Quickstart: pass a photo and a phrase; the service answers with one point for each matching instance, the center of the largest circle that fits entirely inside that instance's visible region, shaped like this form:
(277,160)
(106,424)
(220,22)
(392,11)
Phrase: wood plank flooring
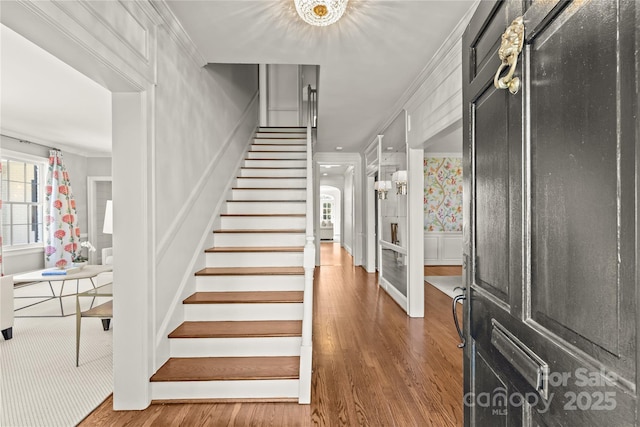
(372,365)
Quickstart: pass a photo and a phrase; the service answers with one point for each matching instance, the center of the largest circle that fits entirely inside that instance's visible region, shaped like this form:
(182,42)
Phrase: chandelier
(320,12)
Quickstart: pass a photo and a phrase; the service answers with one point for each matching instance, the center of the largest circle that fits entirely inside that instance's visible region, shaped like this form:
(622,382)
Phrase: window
(327,211)
(22,208)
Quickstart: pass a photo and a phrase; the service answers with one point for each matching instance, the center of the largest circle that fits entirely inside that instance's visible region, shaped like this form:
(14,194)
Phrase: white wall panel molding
(178,33)
(442,248)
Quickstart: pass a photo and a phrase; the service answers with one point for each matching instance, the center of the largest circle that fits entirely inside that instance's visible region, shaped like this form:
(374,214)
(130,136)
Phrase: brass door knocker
(512,41)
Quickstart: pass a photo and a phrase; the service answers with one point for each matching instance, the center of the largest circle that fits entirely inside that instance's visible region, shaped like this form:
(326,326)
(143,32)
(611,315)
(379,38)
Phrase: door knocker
(512,41)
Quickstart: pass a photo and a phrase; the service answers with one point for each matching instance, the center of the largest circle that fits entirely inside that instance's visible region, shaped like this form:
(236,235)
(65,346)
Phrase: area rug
(446,284)
(40,384)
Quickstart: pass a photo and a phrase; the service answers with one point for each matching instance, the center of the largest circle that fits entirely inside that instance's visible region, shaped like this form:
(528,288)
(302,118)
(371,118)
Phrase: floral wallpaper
(443,194)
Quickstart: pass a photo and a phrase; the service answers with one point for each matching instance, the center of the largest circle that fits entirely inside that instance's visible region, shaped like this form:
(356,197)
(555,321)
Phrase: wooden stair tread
(257,231)
(271,177)
(228,368)
(260,297)
(268,188)
(265,215)
(256,249)
(267,201)
(251,271)
(240,329)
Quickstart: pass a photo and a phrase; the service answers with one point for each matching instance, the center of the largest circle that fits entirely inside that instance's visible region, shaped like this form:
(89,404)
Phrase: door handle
(454,309)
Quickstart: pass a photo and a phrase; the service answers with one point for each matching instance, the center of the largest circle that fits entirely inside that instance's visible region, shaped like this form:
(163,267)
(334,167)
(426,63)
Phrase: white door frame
(93,213)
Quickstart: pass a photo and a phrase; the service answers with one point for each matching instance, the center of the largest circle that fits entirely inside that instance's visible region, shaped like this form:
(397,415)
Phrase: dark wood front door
(551,204)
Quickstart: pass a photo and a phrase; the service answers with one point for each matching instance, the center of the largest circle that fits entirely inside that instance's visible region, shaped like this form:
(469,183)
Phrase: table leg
(78,319)
(60,298)
(105,324)
(51,287)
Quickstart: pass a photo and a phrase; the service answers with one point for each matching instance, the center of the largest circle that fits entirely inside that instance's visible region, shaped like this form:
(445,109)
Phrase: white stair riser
(259,163)
(279,147)
(268,194)
(279,133)
(250,389)
(295,173)
(249,283)
(235,347)
(277,155)
(263,223)
(271,183)
(289,129)
(258,239)
(266,208)
(254,259)
(241,312)
(283,141)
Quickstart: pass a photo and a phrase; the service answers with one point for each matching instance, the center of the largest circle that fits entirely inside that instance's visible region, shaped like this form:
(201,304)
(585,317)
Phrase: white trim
(92,216)
(13,251)
(393,293)
(393,247)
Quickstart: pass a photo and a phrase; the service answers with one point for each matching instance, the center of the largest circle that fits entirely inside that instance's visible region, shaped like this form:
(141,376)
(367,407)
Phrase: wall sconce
(382,187)
(400,178)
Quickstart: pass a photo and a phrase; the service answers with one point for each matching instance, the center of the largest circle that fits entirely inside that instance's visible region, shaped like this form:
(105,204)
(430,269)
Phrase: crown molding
(177,31)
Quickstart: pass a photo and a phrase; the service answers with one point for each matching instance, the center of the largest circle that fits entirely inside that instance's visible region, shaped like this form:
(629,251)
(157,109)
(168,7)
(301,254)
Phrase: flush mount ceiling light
(320,12)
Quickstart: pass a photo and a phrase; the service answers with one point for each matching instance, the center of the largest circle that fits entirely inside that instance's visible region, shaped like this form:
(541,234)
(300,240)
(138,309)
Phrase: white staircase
(242,334)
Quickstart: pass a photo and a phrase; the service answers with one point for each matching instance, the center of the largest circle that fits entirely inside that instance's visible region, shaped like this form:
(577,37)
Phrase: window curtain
(60,219)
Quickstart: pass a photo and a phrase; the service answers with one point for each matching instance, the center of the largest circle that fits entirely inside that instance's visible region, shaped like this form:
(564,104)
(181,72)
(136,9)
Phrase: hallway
(372,365)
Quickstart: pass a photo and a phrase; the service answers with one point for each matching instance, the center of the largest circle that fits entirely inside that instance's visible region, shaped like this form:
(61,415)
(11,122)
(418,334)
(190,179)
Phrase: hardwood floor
(372,365)
(443,270)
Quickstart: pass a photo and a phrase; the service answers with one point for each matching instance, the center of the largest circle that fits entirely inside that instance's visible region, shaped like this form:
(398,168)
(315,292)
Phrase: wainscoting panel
(442,248)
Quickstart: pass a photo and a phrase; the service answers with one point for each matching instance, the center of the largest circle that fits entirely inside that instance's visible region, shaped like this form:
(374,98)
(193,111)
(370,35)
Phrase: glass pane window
(22,187)
(327,211)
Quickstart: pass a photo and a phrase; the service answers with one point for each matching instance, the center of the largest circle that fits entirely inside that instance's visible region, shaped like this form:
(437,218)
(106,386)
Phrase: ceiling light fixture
(320,12)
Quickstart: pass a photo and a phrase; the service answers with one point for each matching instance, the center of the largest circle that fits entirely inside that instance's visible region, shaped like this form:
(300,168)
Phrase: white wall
(283,96)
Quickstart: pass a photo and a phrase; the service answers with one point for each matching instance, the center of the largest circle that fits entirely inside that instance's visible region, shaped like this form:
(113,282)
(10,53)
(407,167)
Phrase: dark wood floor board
(372,364)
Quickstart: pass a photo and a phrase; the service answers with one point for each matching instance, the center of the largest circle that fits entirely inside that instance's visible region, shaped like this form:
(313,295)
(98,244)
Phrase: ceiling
(367,61)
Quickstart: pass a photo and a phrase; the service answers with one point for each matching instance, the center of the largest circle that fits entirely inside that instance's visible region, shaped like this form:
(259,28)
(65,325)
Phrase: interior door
(551,199)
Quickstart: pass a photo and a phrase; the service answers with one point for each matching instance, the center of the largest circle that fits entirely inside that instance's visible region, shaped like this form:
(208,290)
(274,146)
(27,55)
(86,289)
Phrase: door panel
(551,201)
(575,178)
(492,172)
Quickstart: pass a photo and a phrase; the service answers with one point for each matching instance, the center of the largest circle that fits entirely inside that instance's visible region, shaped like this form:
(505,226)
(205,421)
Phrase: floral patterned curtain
(60,218)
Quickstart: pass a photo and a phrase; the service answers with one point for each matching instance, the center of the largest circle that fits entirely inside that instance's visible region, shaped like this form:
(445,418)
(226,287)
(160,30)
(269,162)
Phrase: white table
(87,272)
